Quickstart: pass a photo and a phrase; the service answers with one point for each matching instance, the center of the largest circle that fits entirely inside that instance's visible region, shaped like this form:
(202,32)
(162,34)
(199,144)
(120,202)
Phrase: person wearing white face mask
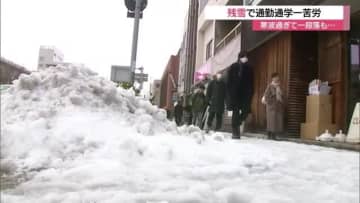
(274,101)
(239,87)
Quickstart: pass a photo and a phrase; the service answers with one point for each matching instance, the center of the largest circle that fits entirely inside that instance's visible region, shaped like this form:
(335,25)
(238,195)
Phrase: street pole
(243,24)
(141,79)
(135,36)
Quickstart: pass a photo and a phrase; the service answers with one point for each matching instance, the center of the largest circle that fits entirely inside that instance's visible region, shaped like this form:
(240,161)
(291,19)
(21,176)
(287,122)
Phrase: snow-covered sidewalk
(79,139)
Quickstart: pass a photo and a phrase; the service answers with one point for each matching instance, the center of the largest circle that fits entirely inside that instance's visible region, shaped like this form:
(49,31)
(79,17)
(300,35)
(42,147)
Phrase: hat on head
(242,54)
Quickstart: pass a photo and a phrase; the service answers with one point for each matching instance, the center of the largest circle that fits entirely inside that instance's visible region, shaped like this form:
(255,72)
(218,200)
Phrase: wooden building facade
(168,83)
(10,71)
(300,57)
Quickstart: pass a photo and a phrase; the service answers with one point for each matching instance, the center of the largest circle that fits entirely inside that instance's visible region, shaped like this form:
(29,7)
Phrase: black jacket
(239,85)
(215,95)
(178,111)
(198,102)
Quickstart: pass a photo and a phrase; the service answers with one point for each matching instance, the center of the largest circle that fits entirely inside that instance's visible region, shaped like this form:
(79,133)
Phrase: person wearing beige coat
(274,101)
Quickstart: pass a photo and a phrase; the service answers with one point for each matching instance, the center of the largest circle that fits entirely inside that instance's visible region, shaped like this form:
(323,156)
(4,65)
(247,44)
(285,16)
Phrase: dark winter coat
(198,102)
(178,111)
(215,95)
(239,85)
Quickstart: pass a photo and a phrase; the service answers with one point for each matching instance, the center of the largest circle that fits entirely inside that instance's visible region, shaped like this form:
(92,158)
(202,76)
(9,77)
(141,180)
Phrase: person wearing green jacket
(198,105)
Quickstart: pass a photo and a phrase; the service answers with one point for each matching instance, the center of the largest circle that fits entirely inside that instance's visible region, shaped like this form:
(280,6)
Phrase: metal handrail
(234,32)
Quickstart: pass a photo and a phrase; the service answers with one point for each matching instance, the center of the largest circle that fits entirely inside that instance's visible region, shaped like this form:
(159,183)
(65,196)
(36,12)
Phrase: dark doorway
(303,69)
(354,80)
(354,67)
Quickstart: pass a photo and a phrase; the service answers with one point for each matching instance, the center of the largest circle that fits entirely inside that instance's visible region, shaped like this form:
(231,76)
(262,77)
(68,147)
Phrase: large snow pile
(68,135)
(42,95)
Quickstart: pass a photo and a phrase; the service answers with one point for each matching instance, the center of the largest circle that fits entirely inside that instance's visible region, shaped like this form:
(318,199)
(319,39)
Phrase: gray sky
(94,32)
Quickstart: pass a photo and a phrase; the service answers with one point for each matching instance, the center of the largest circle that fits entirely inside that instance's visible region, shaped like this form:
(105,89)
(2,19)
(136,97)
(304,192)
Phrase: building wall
(183,57)
(226,55)
(313,55)
(202,5)
(169,86)
(209,34)
(273,56)
(173,81)
(191,45)
(206,31)
(225,35)
(201,21)
(155,92)
(200,50)
(333,63)
(206,34)
(10,71)
(256,39)
(301,57)
(49,55)
(182,67)
(163,91)
(222,28)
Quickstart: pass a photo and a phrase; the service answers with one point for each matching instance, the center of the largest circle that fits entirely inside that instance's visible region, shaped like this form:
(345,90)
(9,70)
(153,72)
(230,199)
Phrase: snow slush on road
(68,135)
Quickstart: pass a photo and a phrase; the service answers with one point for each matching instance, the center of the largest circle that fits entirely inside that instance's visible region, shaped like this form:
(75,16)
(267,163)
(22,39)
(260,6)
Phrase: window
(209,50)
(41,58)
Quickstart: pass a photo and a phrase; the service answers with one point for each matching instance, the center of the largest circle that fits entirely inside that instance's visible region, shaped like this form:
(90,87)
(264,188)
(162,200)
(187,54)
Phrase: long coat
(198,102)
(274,110)
(215,96)
(239,86)
(178,113)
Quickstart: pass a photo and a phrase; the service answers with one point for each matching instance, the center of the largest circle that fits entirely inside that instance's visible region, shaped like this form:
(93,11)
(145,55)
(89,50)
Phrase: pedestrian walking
(198,105)
(274,101)
(215,96)
(188,111)
(239,88)
(178,112)
(167,113)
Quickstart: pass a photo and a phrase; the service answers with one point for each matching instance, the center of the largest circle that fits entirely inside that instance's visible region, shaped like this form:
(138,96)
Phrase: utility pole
(141,81)
(135,10)
(135,35)
(243,30)
(126,74)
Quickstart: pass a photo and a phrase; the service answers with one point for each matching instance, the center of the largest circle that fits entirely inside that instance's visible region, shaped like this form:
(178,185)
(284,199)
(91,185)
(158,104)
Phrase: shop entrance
(354,80)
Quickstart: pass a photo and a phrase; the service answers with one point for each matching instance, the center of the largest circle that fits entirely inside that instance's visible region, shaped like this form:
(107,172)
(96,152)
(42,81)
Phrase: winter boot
(236,133)
(273,136)
(207,129)
(270,136)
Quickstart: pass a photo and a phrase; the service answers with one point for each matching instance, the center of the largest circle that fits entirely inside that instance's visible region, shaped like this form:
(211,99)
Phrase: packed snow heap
(68,135)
